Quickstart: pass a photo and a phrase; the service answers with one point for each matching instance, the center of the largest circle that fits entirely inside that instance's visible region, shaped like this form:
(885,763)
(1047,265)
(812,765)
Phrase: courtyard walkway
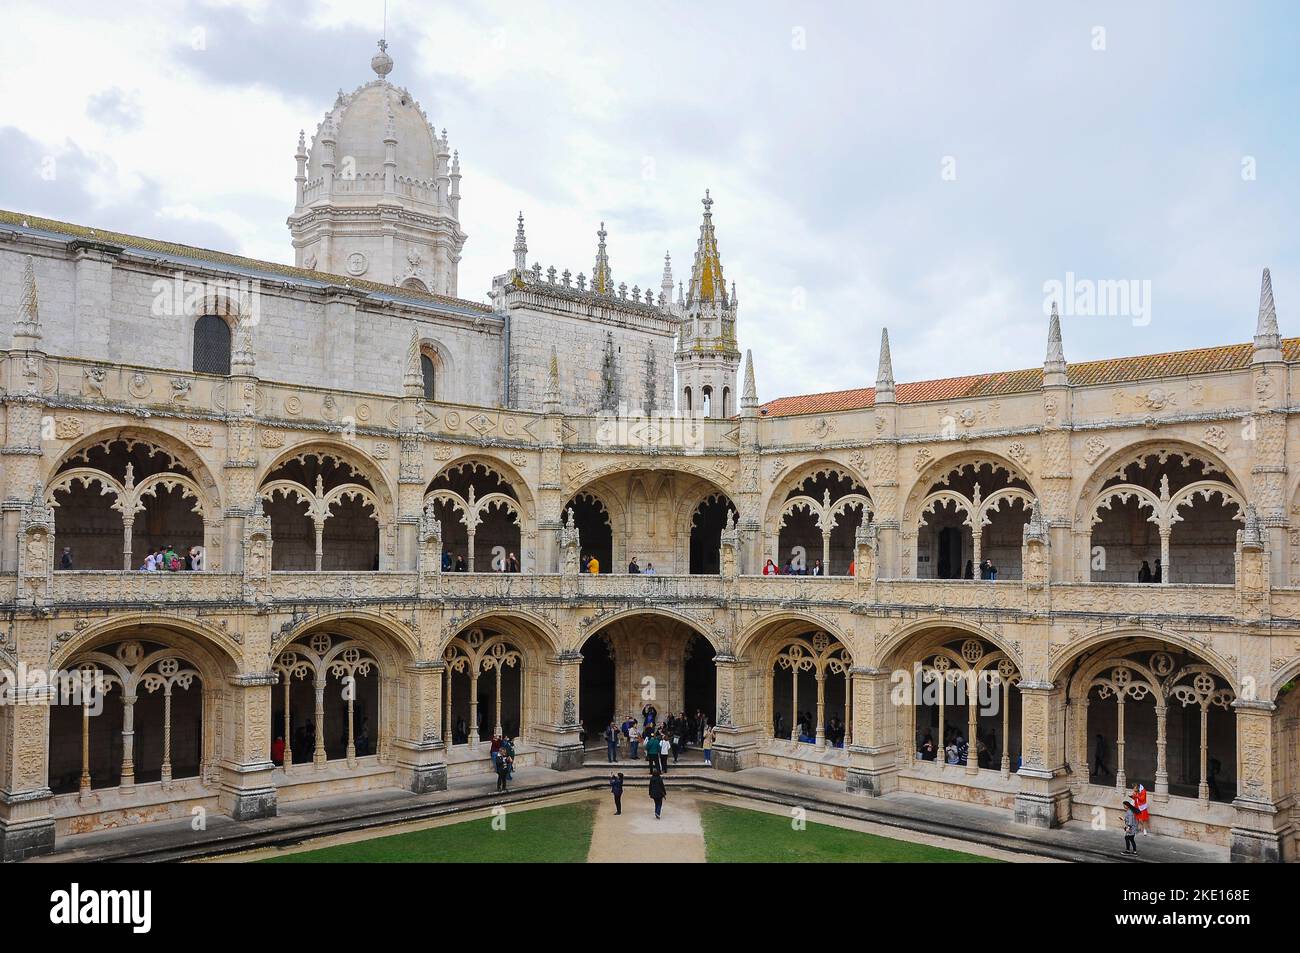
(907,816)
(636,837)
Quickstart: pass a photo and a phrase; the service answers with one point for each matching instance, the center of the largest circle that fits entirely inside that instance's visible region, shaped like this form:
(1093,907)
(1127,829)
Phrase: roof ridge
(217,257)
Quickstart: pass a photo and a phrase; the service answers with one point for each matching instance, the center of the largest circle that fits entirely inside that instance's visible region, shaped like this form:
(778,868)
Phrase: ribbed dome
(360,122)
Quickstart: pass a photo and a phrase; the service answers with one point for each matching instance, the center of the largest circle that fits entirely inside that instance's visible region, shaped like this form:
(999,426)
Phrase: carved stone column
(26,825)
(420,746)
(873,766)
(563,736)
(1044,798)
(247,791)
(734,736)
(1257,828)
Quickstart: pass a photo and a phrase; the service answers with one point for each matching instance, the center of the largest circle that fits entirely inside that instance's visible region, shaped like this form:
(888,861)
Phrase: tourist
(65,561)
(196,559)
(664,751)
(1140,807)
(699,726)
(461,565)
(512,563)
(1144,574)
(769,568)
(1130,829)
(495,750)
(277,750)
(648,716)
(927,748)
(988,570)
(616,788)
(508,755)
(707,744)
(593,566)
(446,560)
(817,568)
(633,734)
(611,742)
(658,792)
(853,567)
(503,773)
(649,569)
(1158,574)
(632,568)
(675,739)
(652,750)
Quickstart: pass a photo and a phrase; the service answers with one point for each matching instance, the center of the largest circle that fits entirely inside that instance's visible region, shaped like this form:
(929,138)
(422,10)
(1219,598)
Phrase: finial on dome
(708,202)
(381,62)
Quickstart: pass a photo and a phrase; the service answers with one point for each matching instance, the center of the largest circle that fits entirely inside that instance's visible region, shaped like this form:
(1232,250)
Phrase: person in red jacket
(769,569)
(277,750)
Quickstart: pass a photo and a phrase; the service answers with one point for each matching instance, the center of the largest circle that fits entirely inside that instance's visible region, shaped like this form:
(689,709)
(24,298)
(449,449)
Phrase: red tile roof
(1110,371)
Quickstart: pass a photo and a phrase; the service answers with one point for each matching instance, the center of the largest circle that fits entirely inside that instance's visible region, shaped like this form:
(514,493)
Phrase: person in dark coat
(503,772)
(657,792)
(616,787)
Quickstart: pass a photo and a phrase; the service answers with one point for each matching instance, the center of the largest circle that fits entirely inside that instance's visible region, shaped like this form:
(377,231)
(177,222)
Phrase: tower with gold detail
(378,193)
(707,355)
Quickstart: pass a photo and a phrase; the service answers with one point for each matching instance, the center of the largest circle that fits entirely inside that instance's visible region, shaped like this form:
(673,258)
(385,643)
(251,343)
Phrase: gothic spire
(707,284)
(521,247)
(749,395)
(1054,363)
(1266,330)
(27,329)
(885,372)
(666,285)
(602,279)
(413,383)
(551,398)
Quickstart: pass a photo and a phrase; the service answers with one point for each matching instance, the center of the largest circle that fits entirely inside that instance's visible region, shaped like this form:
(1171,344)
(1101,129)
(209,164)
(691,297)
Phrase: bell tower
(707,357)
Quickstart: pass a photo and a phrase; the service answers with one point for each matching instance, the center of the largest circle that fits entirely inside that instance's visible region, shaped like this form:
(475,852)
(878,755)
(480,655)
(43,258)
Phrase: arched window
(726,402)
(706,401)
(211,345)
(430,375)
(688,401)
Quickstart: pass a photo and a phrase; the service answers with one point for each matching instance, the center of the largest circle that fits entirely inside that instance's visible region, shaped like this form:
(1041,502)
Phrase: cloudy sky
(932,167)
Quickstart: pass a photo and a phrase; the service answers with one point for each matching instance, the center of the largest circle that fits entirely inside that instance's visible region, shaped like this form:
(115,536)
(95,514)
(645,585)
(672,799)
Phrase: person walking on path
(633,740)
(658,792)
(611,741)
(616,788)
(708,746)
(1130,829)
(664,751)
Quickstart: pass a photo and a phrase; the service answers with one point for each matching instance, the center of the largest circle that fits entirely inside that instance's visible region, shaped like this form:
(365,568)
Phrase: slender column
(977,550)
(1121,780)
(826,552)
(166,776)
(941,750)
(497,698)
(1162,744)
(794,704)
(1081,736)
(911,744)
(819,731)
(320,543)
(288,726)
(1203,789)
(352,746)
(972,723)
(1166,570)
(446,721)
(848,710)
(473,707)
(318,757)
(128,743)
(128,528)
(1006,728)
(85,748)
(469,556)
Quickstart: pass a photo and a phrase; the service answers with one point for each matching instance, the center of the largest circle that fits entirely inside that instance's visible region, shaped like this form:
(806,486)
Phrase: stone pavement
(636,837)
(379,810)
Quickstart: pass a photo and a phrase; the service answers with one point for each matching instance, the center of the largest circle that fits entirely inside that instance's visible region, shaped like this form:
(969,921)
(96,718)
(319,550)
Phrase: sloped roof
(1109,371)
(51,228)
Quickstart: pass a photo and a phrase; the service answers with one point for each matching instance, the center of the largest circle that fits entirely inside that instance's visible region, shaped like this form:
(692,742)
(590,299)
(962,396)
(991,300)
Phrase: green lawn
(560,834)
(735,835)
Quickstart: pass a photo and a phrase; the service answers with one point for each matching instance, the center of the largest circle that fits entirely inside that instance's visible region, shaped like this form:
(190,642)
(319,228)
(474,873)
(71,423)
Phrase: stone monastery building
(319,435)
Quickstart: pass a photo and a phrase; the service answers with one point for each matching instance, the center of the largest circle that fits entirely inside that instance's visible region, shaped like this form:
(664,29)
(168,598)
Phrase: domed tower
(378,193)
(707,356)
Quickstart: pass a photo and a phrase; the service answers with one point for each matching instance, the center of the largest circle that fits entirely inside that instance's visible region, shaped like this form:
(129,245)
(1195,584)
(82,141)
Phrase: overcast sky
(931,167)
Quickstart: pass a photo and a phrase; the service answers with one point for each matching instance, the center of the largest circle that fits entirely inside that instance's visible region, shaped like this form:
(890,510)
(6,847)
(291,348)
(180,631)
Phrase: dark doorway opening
(707,524)
(700,683)
(596,687)
(950,556)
